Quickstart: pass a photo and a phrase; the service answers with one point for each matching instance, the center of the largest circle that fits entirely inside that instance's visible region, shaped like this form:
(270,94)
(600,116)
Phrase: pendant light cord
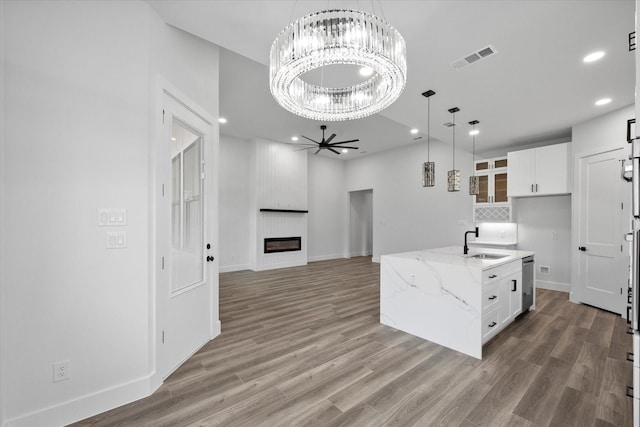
(454,141)
(428,129)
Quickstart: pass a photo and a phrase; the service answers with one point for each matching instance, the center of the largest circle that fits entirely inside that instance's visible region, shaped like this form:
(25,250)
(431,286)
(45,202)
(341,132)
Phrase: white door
(185,274)
(603,252)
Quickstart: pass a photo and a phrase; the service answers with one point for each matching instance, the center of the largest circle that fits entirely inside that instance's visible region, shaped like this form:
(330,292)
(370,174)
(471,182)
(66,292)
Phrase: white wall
(79,82)
(544,226)
(327,209)
(407,216)
(235,203)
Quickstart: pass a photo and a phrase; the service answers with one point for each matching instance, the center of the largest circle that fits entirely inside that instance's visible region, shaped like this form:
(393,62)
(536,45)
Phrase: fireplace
(282,244)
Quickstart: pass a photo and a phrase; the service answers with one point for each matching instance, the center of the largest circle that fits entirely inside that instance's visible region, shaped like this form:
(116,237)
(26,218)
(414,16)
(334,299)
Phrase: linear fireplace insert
(282,244)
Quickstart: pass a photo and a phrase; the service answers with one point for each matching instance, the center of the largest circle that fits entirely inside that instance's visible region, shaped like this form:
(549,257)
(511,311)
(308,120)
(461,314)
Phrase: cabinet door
(500,188)
(483,194)
(516,294)
(504,296)
(552,169)
(521,171)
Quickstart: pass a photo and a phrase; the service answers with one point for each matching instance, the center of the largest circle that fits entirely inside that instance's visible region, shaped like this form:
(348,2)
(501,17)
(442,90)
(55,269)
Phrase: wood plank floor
(304,346)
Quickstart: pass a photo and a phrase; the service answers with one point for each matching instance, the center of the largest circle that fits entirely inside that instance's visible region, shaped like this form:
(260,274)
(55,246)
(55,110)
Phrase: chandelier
(337,37)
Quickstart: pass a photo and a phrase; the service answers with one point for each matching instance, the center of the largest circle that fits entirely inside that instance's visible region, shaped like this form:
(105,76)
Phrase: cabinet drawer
(490,325)
(490,298)
(491,276)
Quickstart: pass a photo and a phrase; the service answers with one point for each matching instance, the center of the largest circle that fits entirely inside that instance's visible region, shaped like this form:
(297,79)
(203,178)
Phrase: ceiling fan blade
(345,142)
(306,148)
(317,151)
(310,139)
(353,148)
(333,135)
(331,149)
(298,144)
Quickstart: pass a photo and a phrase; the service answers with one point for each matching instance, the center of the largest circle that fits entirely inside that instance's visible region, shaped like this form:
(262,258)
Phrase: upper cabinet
(541,171)
(492,174)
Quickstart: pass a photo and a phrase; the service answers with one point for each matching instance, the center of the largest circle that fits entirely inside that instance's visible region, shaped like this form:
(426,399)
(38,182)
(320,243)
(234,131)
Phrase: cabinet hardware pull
(629,391)
(492,324)
(532,188)
(493,297)
(493,276)
(536,188)
(514,284)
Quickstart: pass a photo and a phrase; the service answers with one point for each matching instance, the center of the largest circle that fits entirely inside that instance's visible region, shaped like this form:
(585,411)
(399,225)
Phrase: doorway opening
(361,223)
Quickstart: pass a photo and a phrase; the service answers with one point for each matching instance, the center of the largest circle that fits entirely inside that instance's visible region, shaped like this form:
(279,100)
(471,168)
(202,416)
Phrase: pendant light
(453,176)
(474,181)
(428,167)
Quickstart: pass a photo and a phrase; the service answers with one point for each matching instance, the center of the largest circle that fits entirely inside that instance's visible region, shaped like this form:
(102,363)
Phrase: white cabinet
(541,171)
(492,174)
(501,297)
(510,294)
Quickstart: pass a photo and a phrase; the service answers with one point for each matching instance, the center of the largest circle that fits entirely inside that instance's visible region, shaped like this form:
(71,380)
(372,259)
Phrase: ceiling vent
(449,124)
(476,56)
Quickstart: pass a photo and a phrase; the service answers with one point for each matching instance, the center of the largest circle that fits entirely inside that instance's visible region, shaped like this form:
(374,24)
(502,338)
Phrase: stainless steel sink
(489,256)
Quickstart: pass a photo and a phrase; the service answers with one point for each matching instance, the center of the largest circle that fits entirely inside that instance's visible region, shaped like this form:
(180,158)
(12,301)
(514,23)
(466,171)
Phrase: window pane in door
(483,194)
(500,187)
(187,263)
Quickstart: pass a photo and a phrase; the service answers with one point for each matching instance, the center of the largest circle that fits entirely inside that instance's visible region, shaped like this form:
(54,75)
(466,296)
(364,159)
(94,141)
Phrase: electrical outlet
(545,269)
(61,371)
(413,281)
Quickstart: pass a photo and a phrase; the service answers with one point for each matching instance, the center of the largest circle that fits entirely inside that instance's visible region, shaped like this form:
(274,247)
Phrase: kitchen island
(455,300)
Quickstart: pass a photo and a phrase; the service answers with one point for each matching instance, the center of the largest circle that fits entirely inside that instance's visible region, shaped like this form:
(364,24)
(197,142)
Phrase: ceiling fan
(327,144)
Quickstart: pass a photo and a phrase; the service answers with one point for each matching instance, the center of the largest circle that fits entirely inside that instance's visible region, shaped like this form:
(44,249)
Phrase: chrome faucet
(466,248)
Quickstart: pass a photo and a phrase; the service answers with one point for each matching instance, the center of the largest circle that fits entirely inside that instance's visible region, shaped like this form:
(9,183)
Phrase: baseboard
(86,406)
(277,266)
(326,257)
(237,267)
(553,286)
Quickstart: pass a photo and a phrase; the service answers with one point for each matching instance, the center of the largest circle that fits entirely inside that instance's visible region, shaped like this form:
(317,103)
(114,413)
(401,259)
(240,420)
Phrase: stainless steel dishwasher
(527,282)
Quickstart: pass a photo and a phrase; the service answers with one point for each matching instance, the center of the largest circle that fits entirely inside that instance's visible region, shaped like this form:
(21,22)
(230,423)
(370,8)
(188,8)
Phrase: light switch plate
(116,239)
(107,217)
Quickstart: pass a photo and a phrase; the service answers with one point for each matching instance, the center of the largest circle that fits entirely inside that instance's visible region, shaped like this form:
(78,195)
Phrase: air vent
(474,57)
(449,124)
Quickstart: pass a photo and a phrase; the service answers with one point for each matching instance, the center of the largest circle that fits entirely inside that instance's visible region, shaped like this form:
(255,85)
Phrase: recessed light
(294,138)
(222,120)
(414,131)
(603,101)
(592,57)
(474,132)
(344,150)
(366,71)
(173,139)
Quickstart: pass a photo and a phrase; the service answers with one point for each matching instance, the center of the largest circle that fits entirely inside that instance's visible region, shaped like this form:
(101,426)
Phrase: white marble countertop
(453,255)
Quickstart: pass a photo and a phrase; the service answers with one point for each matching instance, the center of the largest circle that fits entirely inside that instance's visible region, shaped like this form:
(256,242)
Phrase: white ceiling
(534,89)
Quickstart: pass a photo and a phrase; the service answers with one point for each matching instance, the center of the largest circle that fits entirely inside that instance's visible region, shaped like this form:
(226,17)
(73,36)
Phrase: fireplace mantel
(284,210)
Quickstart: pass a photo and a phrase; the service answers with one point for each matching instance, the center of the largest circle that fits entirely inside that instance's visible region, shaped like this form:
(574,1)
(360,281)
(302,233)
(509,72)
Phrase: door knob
(210,258)
(582,248)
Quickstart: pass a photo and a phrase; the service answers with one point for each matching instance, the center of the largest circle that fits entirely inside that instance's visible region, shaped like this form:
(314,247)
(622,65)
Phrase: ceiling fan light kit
(327,144)
(337,37)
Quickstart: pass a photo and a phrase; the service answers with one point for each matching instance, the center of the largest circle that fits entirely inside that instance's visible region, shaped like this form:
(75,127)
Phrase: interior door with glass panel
(184,285)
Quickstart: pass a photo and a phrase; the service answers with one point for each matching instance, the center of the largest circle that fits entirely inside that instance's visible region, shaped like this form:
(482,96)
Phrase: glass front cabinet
(492,174)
